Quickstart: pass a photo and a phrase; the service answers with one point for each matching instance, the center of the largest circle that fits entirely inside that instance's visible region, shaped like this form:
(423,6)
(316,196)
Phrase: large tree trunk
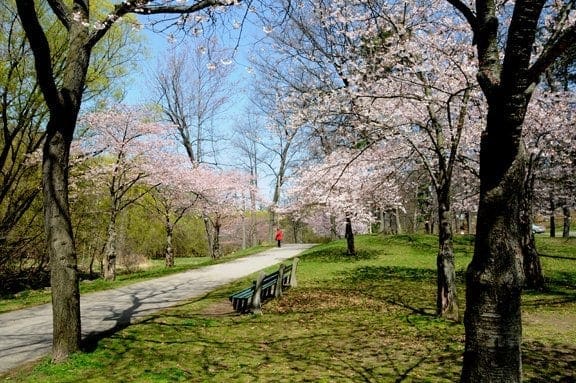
(61,248)
(495,276)
(446,297)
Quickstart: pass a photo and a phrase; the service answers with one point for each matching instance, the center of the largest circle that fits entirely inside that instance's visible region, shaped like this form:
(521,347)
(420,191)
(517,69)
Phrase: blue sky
(138,91)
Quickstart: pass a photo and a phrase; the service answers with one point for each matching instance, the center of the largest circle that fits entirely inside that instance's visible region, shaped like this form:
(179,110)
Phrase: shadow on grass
(284,348)
(378,274)
(338,254)
(348,342)
(558,257)
(544,364)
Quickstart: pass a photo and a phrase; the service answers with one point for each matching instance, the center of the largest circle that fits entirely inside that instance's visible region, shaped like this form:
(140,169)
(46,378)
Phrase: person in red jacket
(279,236)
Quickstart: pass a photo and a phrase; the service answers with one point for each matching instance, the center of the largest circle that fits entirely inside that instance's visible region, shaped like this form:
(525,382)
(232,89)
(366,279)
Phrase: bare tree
(193,87)
(247,142)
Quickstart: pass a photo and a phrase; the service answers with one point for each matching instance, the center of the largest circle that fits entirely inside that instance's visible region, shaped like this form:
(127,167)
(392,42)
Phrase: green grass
(156,269)
(351,319)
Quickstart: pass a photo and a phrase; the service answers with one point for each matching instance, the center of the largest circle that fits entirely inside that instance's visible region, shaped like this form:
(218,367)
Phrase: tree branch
(61,11)
(564,41)
(467,13)
(42,56)
(141,8)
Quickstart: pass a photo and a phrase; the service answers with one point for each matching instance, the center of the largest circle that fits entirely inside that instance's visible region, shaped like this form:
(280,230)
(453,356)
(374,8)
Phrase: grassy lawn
(363,319)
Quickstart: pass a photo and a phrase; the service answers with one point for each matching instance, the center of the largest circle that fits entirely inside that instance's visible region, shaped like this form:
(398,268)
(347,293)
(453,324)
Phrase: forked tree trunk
(213,236)
(446,296)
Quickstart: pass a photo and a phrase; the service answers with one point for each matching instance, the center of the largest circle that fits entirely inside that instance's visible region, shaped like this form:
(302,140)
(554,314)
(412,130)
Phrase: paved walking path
(26,335)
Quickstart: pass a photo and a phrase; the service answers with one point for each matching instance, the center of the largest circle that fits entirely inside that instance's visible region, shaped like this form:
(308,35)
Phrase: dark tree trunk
(446,297)
(532,266)
(213,236)
(64,105)
(349,234)
(495,276)
(567,221)
(61,248)
(534,279)
(397,225)
(552,217)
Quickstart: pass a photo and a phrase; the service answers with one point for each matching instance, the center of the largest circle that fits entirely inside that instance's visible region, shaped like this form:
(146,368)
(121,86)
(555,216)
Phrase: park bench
(265,287)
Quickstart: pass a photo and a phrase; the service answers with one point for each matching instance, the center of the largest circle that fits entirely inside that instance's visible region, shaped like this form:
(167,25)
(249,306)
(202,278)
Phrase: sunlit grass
(367,318)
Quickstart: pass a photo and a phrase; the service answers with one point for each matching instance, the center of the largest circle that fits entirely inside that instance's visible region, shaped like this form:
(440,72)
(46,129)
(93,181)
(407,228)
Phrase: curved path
(26,335)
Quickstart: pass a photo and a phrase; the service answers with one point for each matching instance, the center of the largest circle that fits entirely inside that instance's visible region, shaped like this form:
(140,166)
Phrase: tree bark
(349,234)
(216,250)
(446,297)
(169,255)
(552,217)
(61,247)
(495,276)
(567,221)
(534,279)
(110,249)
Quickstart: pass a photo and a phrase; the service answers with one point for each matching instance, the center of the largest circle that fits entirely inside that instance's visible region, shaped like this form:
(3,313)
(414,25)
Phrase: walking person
(279,236)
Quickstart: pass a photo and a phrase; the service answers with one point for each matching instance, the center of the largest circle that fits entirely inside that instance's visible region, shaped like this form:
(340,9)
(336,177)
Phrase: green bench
(265,287)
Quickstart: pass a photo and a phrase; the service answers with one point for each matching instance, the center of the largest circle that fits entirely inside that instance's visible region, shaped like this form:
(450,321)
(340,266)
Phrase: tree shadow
(549,363)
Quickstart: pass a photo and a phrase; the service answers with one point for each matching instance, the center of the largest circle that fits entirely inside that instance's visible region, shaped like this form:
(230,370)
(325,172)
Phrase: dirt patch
(221,308)
(560,323)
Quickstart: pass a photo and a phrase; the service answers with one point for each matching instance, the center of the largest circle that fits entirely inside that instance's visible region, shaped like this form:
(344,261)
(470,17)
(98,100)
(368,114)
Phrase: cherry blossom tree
(388,73)
(120,137)
(550,142)
(341,192)
(440,117)
(222,199)
(176,192)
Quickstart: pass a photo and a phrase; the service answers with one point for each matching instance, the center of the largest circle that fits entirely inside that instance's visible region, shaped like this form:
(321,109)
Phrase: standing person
(279,236)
